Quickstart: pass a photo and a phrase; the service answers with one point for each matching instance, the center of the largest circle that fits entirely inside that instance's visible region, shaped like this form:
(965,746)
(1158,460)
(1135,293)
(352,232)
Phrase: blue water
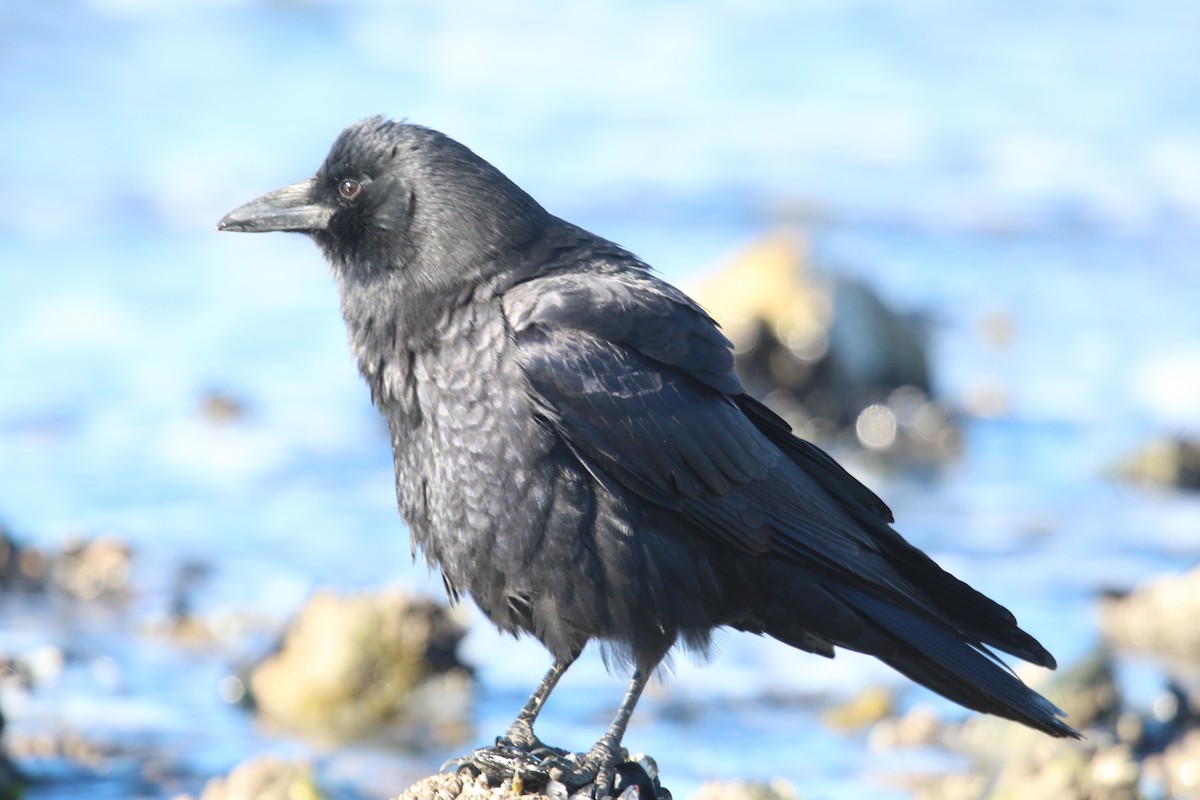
(1039,163)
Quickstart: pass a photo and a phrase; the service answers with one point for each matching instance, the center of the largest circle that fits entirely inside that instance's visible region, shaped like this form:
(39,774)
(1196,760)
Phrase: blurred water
(1036,161)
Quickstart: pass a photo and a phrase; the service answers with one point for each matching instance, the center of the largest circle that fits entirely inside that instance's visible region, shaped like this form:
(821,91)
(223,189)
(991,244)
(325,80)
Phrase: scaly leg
(519,752)
(520,732)
(600,765)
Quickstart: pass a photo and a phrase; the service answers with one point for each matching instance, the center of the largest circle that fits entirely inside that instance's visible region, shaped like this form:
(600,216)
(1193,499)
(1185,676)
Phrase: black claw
(459,765)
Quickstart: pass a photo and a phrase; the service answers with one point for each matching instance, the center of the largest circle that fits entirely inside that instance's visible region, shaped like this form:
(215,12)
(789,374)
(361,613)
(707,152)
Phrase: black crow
(574,450)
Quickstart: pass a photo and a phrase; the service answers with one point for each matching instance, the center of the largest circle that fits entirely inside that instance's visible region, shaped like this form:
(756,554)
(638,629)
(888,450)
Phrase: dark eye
(349,188)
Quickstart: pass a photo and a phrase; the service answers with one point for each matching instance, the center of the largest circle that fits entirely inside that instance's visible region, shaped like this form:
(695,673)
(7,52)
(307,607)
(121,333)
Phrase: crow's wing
(639,382)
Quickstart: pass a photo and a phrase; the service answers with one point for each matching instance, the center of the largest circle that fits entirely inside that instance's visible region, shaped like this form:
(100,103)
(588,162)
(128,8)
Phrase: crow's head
(403,201)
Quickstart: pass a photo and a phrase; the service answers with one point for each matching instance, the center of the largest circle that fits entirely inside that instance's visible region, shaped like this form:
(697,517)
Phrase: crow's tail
(941,659)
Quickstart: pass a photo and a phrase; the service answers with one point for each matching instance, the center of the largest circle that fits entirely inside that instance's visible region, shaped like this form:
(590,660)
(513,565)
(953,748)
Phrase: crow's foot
(600,773)
(603,774)
(506,761)
(597,768)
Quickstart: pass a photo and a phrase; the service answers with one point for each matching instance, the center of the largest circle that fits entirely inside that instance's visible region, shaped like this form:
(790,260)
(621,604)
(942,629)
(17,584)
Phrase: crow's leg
(600,764)
(519,753)
(520,732)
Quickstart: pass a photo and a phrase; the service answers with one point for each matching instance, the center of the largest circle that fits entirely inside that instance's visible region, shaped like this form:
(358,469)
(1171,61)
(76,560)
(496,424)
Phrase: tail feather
(942,660)
(970,611)
(937,630)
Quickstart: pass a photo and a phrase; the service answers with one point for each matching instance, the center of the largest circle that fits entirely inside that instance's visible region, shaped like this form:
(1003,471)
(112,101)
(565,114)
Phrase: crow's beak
(288,209)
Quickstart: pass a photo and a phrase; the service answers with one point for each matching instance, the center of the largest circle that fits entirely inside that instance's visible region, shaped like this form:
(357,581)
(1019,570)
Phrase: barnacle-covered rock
(523,779)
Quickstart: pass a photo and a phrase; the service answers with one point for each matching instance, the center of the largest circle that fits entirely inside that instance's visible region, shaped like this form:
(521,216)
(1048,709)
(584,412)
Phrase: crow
(574,450)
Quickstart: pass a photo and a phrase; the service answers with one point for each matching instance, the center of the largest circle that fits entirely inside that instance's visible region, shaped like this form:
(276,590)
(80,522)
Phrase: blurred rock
(21,568)
(777,789)
(1058,769)
(12,780)
(1054,768)
(827,353)
(1086,691)
(769,284)
(45,664)
(1177,769)
(66,745)
(350,664)
(1067,770)
(85,568)
(176,618)
(221,408)
(1159,616)
(179,622)
(1012,761)
(1174,713)
(1173,461)
(263,778)
(866,708)
(920,727)
(987,396)
(997,328)
(94,569)
(951,787)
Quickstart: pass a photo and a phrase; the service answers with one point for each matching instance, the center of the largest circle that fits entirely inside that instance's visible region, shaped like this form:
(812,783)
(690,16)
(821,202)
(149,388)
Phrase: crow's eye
(349,188)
